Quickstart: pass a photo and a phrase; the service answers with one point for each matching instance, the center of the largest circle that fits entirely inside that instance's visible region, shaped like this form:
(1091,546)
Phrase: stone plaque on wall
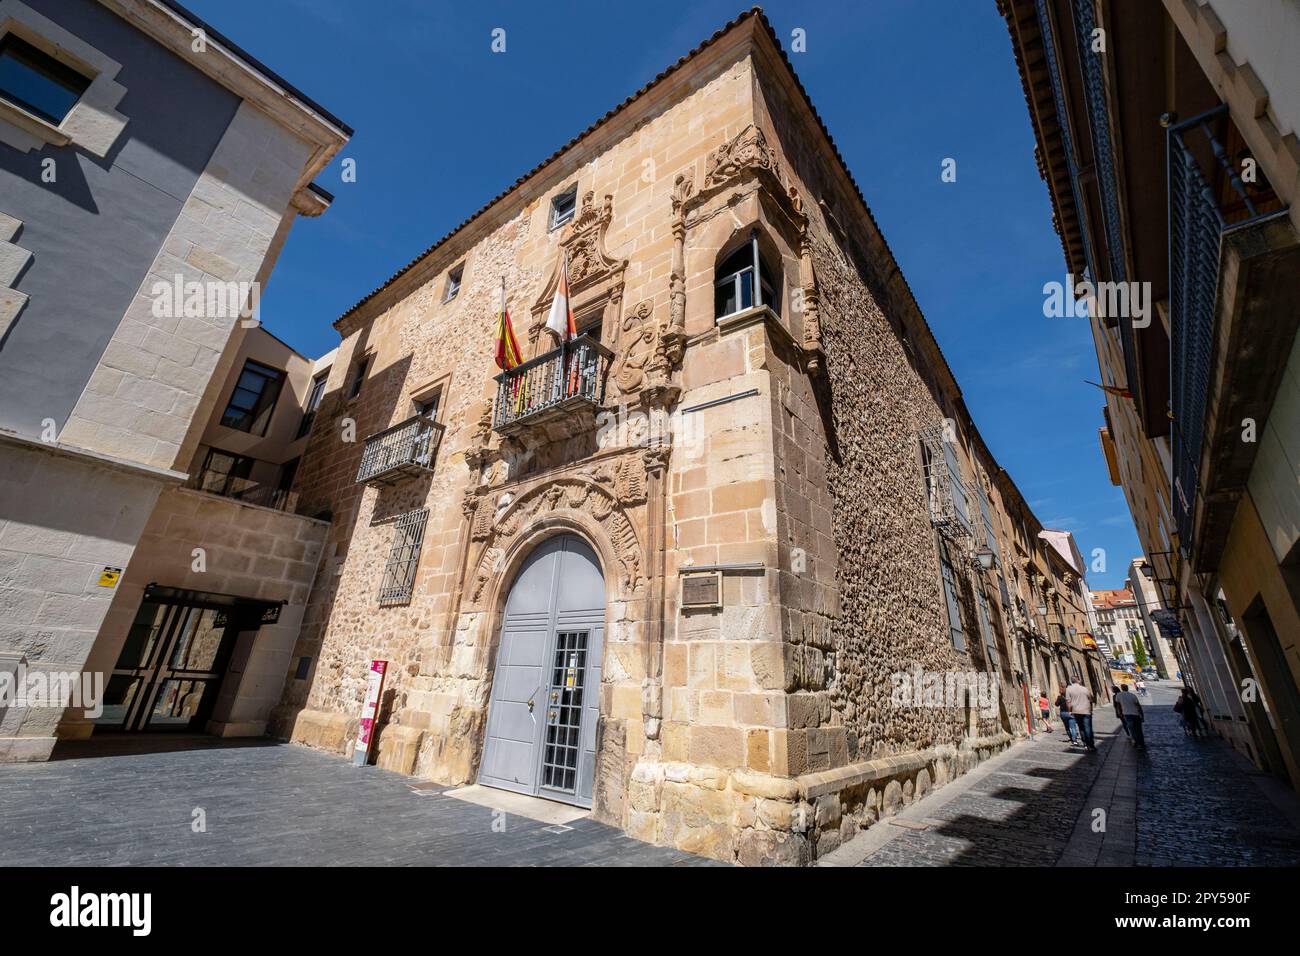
(702,590)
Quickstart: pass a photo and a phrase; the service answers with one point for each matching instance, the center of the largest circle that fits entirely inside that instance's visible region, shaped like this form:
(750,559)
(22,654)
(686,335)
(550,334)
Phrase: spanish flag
(507,348)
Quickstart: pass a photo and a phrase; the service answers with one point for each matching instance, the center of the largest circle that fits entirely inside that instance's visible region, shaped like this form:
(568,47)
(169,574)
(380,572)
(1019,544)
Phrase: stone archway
(604,504)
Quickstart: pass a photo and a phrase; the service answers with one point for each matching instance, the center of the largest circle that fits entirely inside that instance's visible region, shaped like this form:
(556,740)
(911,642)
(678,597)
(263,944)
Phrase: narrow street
(1183,802)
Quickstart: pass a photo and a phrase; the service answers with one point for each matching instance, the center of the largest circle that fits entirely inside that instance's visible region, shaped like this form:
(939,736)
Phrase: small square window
(34,81)
(453,283)
(563,207)
(428,407)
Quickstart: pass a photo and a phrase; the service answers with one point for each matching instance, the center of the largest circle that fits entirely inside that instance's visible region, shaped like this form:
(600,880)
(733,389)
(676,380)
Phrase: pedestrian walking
(1080,700)
(1188,707)
(1119,712)
(1045,711)
(1130,708)
(1063,711)
(1141,687)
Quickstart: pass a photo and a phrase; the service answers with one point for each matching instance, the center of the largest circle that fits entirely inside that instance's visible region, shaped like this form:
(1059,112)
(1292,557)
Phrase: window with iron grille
(403,558)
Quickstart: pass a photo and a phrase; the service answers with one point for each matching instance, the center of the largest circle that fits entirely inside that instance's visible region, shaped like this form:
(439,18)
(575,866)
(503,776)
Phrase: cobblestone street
(1183,802)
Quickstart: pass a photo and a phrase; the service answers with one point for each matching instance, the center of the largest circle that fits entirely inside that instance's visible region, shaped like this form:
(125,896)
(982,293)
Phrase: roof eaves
(681,61)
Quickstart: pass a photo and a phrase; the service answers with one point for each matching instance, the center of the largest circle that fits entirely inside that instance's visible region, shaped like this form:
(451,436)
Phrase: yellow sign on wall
(108,578)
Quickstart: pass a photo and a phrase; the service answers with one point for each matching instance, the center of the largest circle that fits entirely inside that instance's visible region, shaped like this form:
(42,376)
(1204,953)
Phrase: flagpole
(569,331)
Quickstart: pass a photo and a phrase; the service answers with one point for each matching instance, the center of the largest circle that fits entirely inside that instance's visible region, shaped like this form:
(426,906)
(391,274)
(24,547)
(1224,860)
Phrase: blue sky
(443,124)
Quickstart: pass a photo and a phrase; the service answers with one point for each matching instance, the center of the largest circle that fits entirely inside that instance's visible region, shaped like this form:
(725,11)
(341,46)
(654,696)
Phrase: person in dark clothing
(1188,707)
(1130,708)
(1119,711)
(1063,709)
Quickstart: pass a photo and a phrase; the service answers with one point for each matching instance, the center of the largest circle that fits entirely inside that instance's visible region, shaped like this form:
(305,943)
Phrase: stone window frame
(93,123)
(397,587)
(552,221)
(438,387)
(455,281)
(359,370)
(770,277)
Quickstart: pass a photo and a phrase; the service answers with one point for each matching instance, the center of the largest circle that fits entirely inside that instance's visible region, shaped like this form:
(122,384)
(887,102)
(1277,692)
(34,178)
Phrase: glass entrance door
(170,668)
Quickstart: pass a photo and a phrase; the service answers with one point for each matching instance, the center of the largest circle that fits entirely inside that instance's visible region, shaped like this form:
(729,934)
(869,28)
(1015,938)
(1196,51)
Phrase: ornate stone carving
(601,494)
(808,294)
(672,343)
(748,150)
(481,529)
(683,189)
(637,347)
(488,566)
(629,482)
(583,242)
(656,458)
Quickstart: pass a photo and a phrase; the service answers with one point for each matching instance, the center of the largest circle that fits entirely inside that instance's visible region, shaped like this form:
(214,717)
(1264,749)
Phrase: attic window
(563,207)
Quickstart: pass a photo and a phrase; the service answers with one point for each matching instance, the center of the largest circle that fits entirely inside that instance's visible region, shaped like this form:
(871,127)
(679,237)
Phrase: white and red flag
(561,321)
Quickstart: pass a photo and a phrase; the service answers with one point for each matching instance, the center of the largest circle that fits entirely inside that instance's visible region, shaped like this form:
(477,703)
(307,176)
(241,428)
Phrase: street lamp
(983,559)
(1042,610)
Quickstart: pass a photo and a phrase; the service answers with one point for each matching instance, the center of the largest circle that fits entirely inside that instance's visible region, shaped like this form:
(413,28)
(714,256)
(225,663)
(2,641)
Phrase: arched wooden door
(541,729)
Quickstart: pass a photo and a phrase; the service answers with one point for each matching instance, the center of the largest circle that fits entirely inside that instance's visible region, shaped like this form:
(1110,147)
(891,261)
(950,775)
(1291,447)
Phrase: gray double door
(541,732)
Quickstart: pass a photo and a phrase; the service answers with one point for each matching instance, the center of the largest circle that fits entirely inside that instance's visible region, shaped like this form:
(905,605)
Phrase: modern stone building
(149,173)
(701,567)
(1167,136)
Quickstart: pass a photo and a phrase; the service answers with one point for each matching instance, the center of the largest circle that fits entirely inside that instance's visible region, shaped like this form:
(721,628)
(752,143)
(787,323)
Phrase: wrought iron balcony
(1207,200)
(408,448)
(565,382)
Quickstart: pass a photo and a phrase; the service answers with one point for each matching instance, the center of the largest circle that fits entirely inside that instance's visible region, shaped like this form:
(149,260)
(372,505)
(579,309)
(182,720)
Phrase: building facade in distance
(1167,136)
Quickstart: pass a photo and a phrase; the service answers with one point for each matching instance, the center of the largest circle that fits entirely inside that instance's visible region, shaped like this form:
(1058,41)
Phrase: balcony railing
(552,385)
(408,448)
(244,490)
(1207,199)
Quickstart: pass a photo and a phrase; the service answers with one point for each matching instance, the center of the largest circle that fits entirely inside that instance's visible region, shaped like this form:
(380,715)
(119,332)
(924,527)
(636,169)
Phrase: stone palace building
(676,568)
(731,566)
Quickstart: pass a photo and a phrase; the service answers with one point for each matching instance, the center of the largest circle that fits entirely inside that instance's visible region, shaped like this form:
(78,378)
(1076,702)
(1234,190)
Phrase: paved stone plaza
(273,805)
(1183,802)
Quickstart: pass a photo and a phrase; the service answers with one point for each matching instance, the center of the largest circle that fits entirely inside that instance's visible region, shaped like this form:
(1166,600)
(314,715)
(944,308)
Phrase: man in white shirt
(1131,708)
(1080,700)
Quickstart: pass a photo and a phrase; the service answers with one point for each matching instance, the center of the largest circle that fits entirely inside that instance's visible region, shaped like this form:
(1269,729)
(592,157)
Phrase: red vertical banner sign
(369,712)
